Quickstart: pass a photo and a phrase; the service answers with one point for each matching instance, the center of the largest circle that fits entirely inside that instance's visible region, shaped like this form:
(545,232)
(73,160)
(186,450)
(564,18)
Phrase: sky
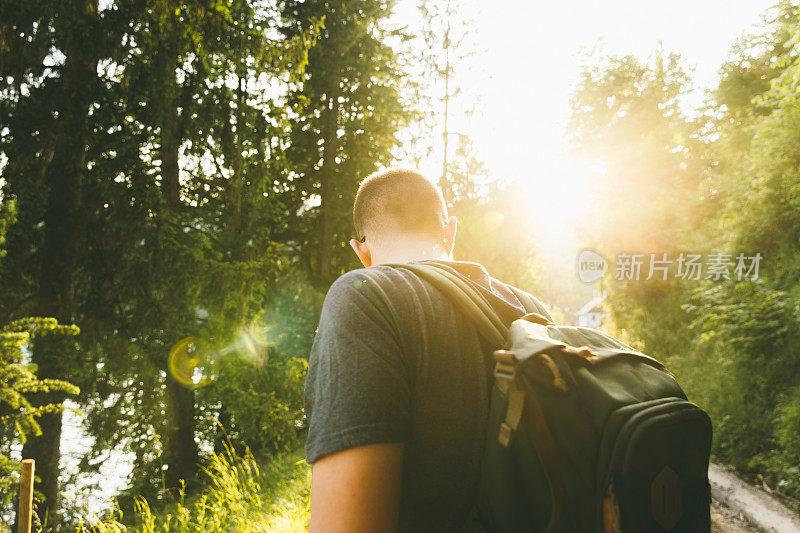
(531,63)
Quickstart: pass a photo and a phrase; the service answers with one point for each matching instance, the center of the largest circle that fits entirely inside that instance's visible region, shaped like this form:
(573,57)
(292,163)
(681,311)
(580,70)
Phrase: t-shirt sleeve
(357,391)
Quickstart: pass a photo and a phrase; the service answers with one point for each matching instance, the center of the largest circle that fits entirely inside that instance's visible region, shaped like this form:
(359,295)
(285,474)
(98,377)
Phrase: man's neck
(405,255)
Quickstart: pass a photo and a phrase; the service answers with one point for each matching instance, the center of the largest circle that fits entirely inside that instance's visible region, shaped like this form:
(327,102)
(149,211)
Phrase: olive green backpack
(585,433)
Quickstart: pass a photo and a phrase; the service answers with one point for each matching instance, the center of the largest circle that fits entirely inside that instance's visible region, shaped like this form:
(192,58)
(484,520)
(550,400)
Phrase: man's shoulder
(374,284)
(371,279)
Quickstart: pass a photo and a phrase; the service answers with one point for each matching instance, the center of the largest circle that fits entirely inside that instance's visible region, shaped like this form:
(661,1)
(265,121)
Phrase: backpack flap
(528,339)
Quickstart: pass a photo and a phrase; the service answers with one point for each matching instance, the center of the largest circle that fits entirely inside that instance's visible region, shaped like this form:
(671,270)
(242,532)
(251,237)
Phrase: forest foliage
(717,180)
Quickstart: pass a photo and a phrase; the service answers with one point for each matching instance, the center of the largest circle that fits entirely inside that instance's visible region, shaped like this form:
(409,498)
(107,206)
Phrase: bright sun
(528,67)
(554,196)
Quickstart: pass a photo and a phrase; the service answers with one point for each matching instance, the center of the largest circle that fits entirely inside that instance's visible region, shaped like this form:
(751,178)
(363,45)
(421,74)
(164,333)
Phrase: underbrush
(240,495)
(742,368)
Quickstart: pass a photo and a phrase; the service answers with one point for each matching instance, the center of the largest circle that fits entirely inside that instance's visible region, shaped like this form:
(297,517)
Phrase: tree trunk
(181,453)
(64,178)
(328,184)
(170,144)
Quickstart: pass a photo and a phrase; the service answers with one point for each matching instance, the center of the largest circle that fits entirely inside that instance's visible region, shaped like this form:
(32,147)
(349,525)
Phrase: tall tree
(444,48)
(172,30)
(743,325)
(117,150)
(209,133)
(350,119)
(18,416)
(627,118)
(50,60)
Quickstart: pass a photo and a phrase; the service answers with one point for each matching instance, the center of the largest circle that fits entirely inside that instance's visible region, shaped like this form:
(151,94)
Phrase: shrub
(742,368)
(17,382)
(240,495)
(263,400)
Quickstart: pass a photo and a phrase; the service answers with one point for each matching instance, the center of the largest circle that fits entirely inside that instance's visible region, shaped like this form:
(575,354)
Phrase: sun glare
(555,195)
(520,84)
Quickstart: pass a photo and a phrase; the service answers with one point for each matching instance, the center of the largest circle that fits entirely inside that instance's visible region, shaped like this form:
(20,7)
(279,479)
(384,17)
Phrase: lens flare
(258,331)
(251,340)
(192,362)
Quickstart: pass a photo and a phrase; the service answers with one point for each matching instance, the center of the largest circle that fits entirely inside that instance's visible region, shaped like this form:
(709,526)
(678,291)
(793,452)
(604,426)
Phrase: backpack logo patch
(665,498)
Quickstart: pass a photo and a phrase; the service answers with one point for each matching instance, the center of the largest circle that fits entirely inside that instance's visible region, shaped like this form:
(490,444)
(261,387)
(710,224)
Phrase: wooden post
(25,497)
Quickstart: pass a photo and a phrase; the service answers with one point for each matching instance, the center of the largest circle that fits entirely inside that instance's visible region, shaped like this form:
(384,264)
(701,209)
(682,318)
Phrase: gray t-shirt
(394,361)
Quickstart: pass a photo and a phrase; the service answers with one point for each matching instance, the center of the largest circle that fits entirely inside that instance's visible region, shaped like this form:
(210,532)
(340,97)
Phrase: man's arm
(357,490)
(357,398)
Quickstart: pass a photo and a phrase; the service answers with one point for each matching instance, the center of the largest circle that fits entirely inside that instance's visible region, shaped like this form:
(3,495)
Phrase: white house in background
(591,314)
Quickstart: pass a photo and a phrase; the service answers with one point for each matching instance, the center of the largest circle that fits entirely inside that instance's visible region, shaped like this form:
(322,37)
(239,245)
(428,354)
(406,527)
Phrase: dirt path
(739,507)
(725,520)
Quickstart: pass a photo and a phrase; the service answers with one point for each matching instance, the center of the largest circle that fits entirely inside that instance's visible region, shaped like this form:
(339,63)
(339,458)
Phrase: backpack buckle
(505,434)
(506,363)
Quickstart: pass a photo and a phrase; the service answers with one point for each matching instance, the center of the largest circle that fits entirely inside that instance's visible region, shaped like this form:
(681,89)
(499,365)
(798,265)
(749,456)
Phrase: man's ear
(362,251)
(449,239)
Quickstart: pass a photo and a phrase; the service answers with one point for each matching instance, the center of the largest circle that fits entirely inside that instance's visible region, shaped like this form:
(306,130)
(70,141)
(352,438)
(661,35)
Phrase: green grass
(240,496)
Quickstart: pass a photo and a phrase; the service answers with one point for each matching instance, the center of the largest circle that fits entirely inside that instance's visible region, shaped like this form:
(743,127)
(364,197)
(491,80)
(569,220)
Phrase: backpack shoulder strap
(465,298)
(491,327)
(530,302)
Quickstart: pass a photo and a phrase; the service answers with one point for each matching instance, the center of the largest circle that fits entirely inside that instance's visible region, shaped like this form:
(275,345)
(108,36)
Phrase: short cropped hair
(399,200)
